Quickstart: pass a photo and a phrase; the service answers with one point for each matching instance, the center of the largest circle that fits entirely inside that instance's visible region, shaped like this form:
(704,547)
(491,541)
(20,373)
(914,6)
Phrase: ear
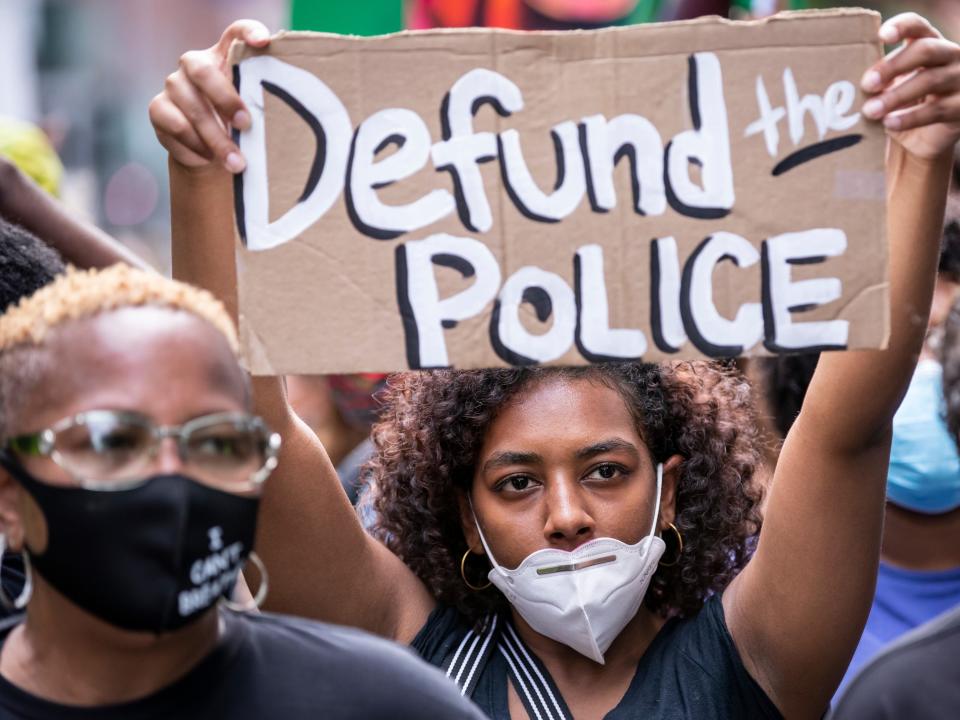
(468,524)
(11,524)
(668,490)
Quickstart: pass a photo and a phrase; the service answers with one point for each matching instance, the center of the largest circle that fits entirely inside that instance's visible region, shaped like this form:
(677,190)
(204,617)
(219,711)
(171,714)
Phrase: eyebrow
(510,457)
(513,457)
(605,446)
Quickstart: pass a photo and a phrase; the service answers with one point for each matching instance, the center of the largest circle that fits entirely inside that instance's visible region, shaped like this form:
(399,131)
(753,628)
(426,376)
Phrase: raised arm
(24,202)
(320,561)
(796,612)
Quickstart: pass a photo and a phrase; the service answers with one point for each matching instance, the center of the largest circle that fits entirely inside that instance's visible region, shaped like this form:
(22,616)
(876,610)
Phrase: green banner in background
(647,11)
(370,17)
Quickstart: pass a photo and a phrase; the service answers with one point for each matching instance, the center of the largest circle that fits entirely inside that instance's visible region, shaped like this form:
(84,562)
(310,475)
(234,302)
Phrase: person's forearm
(23,202)
(201,230)
(854,395)
(812,577)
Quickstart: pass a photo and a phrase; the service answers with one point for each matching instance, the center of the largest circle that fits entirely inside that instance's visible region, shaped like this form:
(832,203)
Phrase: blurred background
(83,72)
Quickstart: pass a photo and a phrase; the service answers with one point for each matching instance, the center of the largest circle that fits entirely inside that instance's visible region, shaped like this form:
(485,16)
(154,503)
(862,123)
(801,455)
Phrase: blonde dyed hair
(78,294)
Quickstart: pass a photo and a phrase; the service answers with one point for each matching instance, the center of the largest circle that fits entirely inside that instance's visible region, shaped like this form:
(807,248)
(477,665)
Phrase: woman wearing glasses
(135,472)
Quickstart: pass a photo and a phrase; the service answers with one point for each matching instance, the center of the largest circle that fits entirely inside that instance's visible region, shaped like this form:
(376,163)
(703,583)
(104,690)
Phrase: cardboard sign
(480,198)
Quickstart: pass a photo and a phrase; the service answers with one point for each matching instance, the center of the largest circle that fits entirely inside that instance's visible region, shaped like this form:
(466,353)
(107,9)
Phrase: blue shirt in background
(905,599)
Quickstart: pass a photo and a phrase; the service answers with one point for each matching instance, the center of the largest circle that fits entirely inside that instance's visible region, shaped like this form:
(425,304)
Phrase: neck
(915,541)
(570,668)
(65,655)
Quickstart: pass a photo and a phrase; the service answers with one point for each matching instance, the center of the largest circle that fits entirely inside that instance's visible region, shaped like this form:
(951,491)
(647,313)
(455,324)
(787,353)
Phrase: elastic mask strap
(493,560)
(656,507)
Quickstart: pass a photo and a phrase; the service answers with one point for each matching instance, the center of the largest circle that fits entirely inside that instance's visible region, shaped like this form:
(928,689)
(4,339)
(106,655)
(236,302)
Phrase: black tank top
(691,670)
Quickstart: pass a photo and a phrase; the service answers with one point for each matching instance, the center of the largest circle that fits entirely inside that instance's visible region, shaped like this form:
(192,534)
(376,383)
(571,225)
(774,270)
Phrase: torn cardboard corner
(484,198)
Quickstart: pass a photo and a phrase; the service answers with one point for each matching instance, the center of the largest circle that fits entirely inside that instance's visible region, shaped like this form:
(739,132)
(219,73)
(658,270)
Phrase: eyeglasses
(113,450)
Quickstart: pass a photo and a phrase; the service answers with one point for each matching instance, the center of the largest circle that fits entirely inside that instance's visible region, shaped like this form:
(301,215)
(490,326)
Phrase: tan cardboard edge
(816,32)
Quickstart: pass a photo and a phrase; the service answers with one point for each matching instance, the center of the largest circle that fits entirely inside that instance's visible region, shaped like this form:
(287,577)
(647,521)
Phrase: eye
(107,440)
(607,471)
(217,446)
(226,446)
(223,443)
(515,484)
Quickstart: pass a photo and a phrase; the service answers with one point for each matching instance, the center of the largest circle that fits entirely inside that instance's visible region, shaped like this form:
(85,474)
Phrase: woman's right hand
(199,104)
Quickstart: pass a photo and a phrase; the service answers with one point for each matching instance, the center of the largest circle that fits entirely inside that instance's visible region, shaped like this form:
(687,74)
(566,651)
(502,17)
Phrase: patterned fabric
(510,14)
(690,670)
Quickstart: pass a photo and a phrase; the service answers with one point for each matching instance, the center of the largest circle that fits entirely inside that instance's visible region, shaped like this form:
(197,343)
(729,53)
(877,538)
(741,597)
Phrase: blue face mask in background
(924,473)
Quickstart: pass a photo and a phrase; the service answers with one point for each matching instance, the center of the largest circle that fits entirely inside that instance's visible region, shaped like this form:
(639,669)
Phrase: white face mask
(582,598)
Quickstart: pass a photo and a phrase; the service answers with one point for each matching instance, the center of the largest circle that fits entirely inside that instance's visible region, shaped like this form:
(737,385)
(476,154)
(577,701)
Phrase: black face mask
(151,558)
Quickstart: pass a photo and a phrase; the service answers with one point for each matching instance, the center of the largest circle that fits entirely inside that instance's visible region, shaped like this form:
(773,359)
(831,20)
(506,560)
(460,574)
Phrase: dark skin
(558,465)
(795,627)
(916,541)
(911,540)
(173,367)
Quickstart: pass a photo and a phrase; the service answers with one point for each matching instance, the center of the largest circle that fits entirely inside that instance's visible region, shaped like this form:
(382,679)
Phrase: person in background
(918,675)
(29,148)
(30,173)
(30,176)
(26,265)
(340,409)
(313,399)
(919,573)
(132,471)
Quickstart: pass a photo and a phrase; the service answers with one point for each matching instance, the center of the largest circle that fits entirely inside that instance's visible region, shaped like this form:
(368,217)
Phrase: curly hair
(433,425)
(26,264)
(950,359)
(784,380)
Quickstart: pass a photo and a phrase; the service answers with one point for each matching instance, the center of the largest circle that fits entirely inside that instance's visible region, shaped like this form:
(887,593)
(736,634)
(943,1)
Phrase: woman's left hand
(916,88)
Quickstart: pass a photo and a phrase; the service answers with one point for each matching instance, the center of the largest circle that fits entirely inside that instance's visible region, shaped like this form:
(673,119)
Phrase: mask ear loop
(483,540)
(20,602)
(656,507)
(261,591)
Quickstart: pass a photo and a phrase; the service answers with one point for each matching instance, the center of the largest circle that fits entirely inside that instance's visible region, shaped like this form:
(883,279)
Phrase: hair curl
(433,425)
(950,359)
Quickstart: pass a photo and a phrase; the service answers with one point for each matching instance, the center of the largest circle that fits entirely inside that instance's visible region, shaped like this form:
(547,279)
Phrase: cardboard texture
(479,198)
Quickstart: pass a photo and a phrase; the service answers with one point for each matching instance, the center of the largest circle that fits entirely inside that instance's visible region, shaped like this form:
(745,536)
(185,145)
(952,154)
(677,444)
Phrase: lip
(574,547)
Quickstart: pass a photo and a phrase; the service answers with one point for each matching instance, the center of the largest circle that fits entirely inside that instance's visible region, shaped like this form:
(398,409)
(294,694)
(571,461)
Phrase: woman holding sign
(574,543)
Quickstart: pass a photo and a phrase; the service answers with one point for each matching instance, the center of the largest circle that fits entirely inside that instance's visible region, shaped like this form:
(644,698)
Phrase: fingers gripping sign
(916,88)
(199,105)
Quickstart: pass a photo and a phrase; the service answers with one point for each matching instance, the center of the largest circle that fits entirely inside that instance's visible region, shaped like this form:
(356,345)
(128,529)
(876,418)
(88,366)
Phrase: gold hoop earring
(463,574)
(679,546)
(20,602)
(261,595)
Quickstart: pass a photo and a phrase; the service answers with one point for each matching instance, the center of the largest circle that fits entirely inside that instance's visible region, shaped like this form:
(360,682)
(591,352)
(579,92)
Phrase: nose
(168,460)
(569,522)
